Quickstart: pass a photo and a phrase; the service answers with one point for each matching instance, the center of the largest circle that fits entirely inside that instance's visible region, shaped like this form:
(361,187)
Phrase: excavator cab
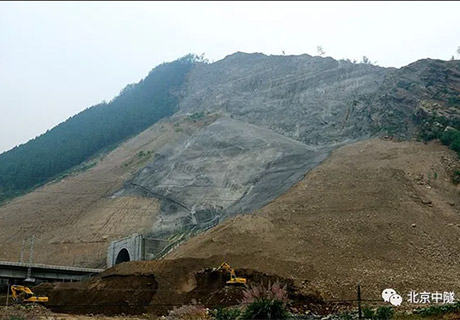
(234,280)
(22,294)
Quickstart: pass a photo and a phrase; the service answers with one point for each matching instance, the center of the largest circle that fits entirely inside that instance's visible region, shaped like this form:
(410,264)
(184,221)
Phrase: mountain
(234,136)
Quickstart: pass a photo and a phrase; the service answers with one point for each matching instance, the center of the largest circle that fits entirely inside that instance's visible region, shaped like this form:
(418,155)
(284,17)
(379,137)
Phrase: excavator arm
(24,294)
(233,278)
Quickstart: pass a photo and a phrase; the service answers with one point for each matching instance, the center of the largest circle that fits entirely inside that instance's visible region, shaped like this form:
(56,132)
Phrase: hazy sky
(58,58)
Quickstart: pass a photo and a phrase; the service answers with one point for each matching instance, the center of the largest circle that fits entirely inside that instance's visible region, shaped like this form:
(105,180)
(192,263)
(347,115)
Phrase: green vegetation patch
(98,128)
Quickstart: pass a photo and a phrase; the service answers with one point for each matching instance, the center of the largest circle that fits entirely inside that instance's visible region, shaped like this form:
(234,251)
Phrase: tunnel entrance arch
(122,256)
(133,245)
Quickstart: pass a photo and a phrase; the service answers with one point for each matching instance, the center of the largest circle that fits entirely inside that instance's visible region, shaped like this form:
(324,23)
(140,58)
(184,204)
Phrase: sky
(58,58)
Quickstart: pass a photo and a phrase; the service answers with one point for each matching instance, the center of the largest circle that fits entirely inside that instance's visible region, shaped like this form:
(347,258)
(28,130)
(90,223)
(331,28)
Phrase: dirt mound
(109,294)
(158,286)
(382,213)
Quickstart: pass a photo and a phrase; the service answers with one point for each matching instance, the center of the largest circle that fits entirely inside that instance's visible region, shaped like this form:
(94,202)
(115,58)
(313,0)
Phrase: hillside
(322,101)
(98,128)
(377,212)
(244,131)
(75,218)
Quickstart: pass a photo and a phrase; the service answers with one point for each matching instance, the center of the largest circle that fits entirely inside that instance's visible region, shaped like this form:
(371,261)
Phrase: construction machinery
(233,278)
(22,294)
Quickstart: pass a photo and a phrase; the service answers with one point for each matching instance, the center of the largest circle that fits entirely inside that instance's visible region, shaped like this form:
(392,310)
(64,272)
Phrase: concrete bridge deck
(42,272)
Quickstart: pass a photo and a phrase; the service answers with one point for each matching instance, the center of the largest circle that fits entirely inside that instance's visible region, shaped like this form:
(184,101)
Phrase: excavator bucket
(237,281)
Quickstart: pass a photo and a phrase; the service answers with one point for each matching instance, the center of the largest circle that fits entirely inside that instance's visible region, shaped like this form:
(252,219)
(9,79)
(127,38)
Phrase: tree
(366,60)
(320,51)
(458,52)
(98,128)
(202,58)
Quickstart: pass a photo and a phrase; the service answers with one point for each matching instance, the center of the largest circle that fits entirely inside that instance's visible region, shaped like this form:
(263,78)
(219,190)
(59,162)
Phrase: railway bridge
(17,272)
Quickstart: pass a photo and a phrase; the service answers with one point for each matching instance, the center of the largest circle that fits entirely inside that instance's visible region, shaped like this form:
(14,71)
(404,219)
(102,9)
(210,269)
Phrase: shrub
(196,116)
(265,302)
(225,314)
(346,316)
(273,291)
(453,101)
(438,310)
(448,137)
(456,177)
(455,145)
(368,313)
(384,313)
(265,309)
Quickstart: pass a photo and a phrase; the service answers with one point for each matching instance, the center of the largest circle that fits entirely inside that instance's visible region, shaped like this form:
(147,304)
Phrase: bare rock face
(422,98)
(319,100)
(229,167)
(311,99)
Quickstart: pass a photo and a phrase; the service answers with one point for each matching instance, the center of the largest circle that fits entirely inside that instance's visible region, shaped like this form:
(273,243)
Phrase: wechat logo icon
(390,295)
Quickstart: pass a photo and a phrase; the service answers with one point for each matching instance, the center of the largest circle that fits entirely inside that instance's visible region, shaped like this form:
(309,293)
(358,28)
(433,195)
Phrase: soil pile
(158,286)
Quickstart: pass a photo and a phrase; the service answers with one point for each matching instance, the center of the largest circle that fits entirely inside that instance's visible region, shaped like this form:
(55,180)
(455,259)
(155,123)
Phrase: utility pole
(21,258)
(31,254)
(7,291)
(360,315)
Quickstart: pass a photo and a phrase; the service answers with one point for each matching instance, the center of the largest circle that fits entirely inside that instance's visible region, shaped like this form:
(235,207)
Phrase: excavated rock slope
(312,99)
(228,167)
(381,213)
(319,100)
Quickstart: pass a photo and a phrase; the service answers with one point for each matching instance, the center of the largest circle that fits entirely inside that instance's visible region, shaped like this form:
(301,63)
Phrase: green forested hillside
(99,127)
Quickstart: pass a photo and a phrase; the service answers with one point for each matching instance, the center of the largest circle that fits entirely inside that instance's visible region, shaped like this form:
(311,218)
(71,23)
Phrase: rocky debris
(29,312)
(427,202)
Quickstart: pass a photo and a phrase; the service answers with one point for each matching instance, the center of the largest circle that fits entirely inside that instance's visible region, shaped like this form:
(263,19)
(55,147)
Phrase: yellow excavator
(23,294)
(233,278)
